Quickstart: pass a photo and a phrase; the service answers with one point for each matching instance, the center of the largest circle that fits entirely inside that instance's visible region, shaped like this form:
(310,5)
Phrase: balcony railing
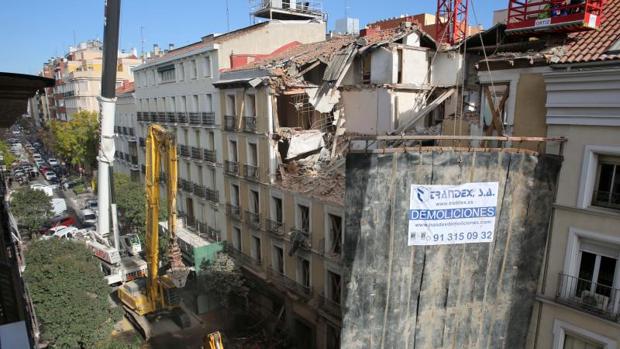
(186,185)
(274,227)
(161,118)
(182,118)
(330,306)
(251,172)
(293,285)
(229,123)
(212,195)
(171,118)
(210,156)
(252,219)
(140,116)
(244,259)
(199,190)
(208,119)
(196,153)
(231,168)
(195,118)
(249,123)
(142,142)
(234,212)
(183,150)
(303,237)
(591,297)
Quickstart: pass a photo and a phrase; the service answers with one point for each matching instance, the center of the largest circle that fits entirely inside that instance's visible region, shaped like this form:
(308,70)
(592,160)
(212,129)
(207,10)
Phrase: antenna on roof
(227,17)
(142,42)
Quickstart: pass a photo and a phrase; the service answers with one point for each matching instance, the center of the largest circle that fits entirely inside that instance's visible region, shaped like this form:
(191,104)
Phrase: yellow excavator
(158,295)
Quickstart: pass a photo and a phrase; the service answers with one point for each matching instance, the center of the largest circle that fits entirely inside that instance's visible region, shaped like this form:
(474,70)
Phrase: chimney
(170,47)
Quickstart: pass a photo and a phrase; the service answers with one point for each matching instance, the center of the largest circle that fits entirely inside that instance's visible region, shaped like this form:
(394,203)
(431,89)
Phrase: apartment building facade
(176,90)
(580,291)
(127,156)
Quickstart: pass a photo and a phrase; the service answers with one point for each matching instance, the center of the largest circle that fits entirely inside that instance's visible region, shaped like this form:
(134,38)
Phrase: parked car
(50,176)
(53,162)
(43,169)
(57,221)
(68,184)
(62,232)
(88,217)
(91,204)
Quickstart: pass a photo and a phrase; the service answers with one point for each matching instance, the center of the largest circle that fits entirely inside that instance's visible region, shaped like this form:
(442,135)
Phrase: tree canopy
(222,279)
(31,208)
(77,140)
(69,294)
(5,151)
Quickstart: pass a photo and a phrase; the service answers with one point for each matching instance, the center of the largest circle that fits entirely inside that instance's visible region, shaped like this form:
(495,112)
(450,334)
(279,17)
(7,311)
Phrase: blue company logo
(423,194)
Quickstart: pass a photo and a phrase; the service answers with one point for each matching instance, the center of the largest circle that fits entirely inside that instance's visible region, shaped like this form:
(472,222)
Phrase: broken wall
(477,295)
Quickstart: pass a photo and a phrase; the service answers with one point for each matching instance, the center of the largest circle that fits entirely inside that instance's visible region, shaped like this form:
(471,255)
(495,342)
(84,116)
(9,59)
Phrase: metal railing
(199,190)
(252,219)
(195,118)
(210,156)
(234,212)
(182,118)
(595,298)
(274,227)
(229,123)
(208,119)
(231,168)
(186,185)
(183,150)
(140,116)
(303,236)
(212,195)
(161,117)
(249,123)
(244,259)
(330,306)
(313,8)
(171,118)
(250,172)
(293,285)
(196,153)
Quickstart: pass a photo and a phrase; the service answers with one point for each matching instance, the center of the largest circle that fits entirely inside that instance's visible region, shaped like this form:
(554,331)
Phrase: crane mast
(451,21)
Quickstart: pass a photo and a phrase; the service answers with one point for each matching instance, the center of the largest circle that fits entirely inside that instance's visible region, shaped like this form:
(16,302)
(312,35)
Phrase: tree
(31,208)
(69,294)
(222,279)
(5,151)
(77,140)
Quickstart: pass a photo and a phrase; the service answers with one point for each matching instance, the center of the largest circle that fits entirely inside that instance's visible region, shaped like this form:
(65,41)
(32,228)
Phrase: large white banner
(447,214)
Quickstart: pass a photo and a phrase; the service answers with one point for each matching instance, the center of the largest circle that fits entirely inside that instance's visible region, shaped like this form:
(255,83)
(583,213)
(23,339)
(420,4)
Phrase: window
(493,104)
(254,201)
(209,103)
(173,104)
(195,102)
(597,267)
(278,259)
(400,66)
(332,337)
(277,209)
(303,218)
(366,65)
(250,105)
(181,72)
(207,66)
(211,140)
(166,74)
(233,151)
(334,234)
(575,342)
(256,254)
(194,69)
(199,172)
(234,195)
(252,154)
(212,183)
(236,238)
(334,286)
(185,136)
(607,186)
(183,104)
(197,138)
(230,105)
(303,272)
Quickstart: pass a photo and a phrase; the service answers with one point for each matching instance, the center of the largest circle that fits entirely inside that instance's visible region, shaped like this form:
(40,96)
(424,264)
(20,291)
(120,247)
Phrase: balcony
(195,119)
(140,116)
(252,219)
(597,299)
(184,150)
(301,238)
(244,259)
(171,118)
(234,212)
(182,118)
(208,119)
(212,195)
(231,168)
(186,185)
(210,156)
(283,280)
(251,172)
(161,118)
(196,153)
(229,123)
(142,142)
(146,116)
(330,306)
(249,124)
(274,227)
(198,190)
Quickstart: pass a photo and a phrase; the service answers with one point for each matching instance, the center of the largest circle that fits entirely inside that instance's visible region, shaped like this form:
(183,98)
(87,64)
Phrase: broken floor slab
(306,142)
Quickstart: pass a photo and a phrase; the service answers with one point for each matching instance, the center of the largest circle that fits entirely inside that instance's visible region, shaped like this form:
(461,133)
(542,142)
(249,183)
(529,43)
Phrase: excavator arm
(161,149)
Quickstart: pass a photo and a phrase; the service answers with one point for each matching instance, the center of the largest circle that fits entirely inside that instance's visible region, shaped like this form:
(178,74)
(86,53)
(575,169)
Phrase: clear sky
(31,31)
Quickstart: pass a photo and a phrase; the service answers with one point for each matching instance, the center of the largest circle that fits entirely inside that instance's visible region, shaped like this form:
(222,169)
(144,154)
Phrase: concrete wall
(450,296)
